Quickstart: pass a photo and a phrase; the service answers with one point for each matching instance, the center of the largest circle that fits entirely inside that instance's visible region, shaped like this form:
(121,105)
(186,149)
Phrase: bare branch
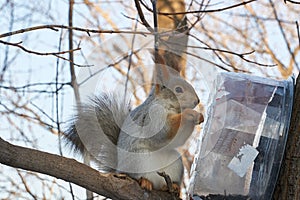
(205,11)
(22,88)
(56,54)
(26,186)
(241,55)
(35,119)
(290,1)
(298,32)
(283,33)
(56,27)
(37,52)
(142,17)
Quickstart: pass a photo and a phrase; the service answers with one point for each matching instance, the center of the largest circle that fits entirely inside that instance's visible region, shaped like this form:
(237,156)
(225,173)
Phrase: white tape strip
(243,160)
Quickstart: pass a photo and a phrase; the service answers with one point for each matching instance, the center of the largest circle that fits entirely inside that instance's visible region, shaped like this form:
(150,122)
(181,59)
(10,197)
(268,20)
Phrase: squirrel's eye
(178,89)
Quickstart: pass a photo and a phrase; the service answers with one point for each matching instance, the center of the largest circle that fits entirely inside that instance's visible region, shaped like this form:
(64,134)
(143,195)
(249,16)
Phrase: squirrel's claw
(174,189)
(145,184)
(201,118)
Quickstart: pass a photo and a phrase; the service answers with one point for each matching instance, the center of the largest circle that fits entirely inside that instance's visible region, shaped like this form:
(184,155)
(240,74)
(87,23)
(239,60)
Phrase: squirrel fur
(142,141)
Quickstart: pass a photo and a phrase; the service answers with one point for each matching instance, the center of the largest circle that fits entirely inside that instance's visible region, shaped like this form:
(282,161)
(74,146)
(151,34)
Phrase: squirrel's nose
(196,102)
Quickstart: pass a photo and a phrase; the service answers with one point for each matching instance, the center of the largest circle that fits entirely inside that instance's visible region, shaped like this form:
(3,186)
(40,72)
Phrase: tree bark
(288,184)
(109,185)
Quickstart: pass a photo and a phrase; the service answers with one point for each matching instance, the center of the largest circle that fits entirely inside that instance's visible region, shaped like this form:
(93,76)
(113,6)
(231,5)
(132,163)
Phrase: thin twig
(155,23)
(21,89)
(37,52)
(130,62)
(42,111)
(26,186)
(262,18)
(36,120)
(290,1)
(208,61)
(142,17)
(56,98)
(7,55)
(283,33)
(205,11)
(112,65)
(57,27)
(298,32)
(241,55)
(75,86)
(56,54)
(32,85)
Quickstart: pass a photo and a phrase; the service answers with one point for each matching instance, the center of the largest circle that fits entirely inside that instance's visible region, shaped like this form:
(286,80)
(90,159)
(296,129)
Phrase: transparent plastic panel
(244,138)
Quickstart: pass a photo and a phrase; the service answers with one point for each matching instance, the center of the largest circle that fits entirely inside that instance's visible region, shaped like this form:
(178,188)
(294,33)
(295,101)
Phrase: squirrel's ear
(168,58)
(161,74)
(158,58)
(161,71)
(157,88)
(161,77)
(172,60)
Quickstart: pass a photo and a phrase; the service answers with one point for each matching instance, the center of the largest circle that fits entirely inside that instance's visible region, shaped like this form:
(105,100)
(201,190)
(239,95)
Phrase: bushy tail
(96,127)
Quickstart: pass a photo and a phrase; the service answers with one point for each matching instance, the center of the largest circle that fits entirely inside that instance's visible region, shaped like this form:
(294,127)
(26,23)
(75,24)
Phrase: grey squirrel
(143,141)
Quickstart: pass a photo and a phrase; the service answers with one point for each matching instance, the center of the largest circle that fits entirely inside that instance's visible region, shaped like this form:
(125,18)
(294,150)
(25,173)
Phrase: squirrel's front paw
(192,115)
(145,184)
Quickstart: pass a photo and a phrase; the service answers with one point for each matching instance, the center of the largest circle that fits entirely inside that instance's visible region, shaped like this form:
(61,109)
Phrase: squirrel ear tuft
(157,89)
(158,57)
(168,58)
(161,74)
(161,71)
(172,60)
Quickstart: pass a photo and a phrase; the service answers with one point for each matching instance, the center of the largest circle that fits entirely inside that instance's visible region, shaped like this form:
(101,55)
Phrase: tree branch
(290,1)
(37,52)
(142,17)
(56,27)
(109,185)
(56,54)
(202,11)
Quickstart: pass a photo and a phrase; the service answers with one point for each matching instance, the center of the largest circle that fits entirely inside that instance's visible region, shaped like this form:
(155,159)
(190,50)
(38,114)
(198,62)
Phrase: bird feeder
(244,137)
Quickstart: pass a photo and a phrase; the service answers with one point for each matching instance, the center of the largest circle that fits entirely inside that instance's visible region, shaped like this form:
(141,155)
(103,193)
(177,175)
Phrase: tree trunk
(288,184)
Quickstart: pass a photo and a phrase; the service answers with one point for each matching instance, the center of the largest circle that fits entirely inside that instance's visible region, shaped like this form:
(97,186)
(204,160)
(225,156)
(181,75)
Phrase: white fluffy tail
(95,129)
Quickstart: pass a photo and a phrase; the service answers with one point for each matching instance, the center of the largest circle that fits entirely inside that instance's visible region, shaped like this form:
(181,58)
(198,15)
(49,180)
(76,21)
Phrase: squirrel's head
(173,89)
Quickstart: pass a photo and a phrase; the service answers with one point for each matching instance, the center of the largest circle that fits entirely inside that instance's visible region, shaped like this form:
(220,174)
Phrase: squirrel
(142,141)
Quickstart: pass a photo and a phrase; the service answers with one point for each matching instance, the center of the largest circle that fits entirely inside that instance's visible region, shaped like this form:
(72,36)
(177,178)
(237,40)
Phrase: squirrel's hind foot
(145,184)
(175,189)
